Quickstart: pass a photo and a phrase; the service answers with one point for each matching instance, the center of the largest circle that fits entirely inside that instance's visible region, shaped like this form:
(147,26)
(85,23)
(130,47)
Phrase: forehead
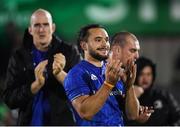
(147,69)
(41,17)
(98,32)
(132,43)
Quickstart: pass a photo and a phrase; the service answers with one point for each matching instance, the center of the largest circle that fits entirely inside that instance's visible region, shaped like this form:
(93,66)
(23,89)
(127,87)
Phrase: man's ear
(83,45)
(53,27)
(30,30)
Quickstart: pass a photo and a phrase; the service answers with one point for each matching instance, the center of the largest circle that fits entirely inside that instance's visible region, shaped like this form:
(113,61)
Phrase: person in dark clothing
(35,75)
(166,108)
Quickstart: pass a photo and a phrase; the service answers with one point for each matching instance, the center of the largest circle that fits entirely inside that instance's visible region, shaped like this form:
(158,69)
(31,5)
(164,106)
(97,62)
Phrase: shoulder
(18,53)
(79,73)
(160,91)
(78,69)
(76,82)
(163,94)
(62,45)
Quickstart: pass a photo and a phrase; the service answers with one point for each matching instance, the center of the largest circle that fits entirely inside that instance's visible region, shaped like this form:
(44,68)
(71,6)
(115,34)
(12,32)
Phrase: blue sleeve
(120,86)
(76,84)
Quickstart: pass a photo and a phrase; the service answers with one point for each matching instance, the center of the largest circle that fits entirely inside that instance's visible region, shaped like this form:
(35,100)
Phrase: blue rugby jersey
(86,79)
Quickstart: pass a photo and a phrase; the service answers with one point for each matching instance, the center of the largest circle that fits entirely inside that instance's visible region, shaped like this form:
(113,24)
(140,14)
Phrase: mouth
(42,36)
(103,49)
(145,84)
(134,61)
(43,44)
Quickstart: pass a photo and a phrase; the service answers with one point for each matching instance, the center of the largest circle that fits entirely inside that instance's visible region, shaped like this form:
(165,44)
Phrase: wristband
(110,86)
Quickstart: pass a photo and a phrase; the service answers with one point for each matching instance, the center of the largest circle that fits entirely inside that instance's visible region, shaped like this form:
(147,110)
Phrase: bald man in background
(35,75)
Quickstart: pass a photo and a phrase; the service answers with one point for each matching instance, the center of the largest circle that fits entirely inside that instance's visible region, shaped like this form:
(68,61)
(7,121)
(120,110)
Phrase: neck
(93,61)
(40,48)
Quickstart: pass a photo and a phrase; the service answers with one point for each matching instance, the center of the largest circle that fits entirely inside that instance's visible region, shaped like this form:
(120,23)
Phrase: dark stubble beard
(97,56)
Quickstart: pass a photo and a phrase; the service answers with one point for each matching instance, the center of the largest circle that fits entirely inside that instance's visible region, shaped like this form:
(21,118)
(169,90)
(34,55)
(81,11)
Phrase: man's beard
(98,56)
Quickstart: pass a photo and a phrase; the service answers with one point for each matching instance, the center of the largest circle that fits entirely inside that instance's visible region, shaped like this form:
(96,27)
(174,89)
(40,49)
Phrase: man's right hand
(113,71)
(39,76)
(130,74)
(58,63)
(144,114)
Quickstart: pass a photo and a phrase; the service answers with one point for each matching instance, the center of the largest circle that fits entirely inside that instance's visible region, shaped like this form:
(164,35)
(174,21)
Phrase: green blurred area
(3,111)
(143,17)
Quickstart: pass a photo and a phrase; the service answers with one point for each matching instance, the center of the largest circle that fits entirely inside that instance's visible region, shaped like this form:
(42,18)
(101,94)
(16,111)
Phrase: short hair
(40,10)
(121,38)
(84,34)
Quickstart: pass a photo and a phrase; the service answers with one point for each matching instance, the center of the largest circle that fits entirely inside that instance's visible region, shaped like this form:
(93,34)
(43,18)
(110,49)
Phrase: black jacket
(166,108)
(20,75)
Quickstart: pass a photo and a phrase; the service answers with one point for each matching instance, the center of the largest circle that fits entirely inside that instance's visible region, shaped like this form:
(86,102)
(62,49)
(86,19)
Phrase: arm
(174,110)
(131,104)
(61,76)
(40,79)
(58,66)
(16,93)
(131,101)
(87,106)
(61,65)
(145,112)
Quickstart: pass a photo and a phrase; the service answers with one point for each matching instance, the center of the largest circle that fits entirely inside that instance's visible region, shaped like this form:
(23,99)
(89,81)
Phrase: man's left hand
(59,63)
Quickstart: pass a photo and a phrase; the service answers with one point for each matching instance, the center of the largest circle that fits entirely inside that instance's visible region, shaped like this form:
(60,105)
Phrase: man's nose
(136,55)
(41,28)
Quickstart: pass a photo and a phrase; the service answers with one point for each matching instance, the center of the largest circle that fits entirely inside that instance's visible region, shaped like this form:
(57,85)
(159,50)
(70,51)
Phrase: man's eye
(46,24)
(36,25)
(133,50)
(98,39)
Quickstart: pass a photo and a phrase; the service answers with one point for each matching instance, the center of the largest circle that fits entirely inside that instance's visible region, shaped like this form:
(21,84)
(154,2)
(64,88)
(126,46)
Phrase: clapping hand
(59,63)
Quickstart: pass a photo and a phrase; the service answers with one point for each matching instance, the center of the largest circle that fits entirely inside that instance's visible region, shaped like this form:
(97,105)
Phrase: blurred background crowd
(154,22)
